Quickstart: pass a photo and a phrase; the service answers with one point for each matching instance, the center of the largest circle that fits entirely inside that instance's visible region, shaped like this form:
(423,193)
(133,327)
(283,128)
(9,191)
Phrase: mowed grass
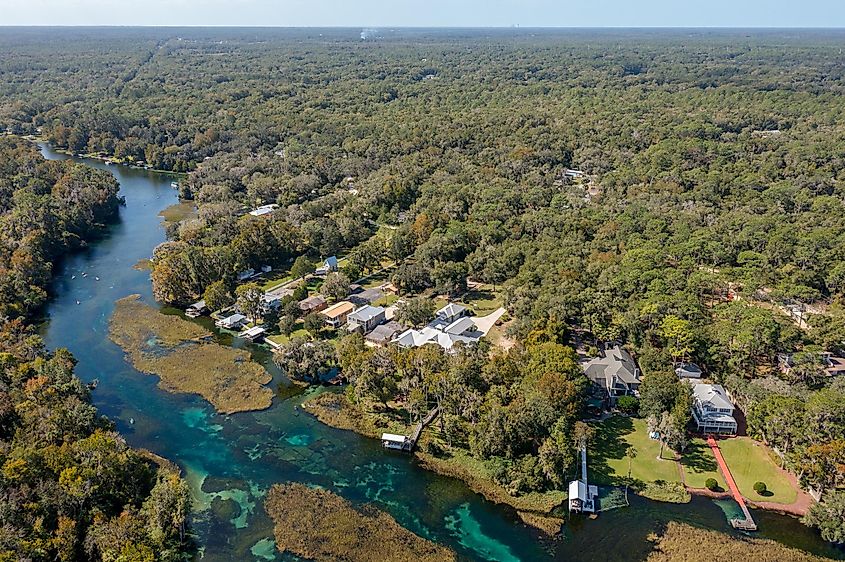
(749,462)
(700,464)
(608,462)
(482,303)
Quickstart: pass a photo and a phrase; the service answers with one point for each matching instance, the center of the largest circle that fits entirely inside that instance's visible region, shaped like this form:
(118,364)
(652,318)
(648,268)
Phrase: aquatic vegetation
(685,542)
(468,531)
(316,524)
(179,352)
(179,211)
(534,508)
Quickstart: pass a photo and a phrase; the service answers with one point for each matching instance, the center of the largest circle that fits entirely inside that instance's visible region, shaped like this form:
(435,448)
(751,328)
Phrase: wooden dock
(411,442)
(748,523)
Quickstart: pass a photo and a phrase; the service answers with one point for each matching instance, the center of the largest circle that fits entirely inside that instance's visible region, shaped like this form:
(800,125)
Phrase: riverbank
(316,524)
(164,345)
(535,509)
(680,541)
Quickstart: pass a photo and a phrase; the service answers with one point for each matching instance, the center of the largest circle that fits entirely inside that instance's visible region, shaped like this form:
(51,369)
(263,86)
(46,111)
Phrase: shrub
(711,484)
(628,404)
(760,487)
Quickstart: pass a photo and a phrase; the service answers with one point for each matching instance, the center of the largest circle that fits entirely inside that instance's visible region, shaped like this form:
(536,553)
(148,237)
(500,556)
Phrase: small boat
(109,162)
(77,302)
(174,185)
(73,277)
(96,278)
(84,274)
(131,421)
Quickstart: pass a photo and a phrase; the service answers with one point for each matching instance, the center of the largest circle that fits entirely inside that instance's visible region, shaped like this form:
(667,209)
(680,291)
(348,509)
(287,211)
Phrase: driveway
(485,323)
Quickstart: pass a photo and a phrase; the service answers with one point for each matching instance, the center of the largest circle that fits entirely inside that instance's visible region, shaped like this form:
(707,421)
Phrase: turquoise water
(231,461)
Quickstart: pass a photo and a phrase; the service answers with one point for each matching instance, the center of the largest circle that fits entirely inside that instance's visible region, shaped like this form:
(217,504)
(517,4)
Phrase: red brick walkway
(729,479)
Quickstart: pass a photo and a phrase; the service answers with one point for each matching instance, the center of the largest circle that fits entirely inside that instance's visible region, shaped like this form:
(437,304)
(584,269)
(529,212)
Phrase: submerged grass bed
(179,352)
(691,544)
(318,525)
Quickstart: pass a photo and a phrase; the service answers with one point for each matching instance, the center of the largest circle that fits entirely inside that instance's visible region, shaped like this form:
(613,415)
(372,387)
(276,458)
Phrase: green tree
(301,267)
(415,311)
(828,516)
(336,286)
(218,296)
(250,300)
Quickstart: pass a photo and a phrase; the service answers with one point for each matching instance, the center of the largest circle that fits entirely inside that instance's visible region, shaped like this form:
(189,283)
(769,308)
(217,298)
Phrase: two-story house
(615,371)
(366,318)
(712,410)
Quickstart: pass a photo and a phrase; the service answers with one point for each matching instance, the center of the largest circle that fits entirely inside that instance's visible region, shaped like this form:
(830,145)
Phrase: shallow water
(231,461)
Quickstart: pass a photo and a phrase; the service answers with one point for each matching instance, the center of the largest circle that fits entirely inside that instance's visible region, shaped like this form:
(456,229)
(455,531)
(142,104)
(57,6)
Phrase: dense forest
(70,486)
(709,199)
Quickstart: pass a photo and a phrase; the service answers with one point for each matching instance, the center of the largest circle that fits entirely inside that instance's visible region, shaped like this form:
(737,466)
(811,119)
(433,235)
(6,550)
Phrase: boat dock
(748,523)
(407,443)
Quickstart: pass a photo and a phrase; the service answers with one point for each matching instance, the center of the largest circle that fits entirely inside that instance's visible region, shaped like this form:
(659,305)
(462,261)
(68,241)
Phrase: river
(231,461)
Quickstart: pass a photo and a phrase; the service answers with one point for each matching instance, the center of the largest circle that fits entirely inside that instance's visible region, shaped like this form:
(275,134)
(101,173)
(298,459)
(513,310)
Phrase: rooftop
(338,309)
(713,395)
(615,362)
(366,313)
(451,310)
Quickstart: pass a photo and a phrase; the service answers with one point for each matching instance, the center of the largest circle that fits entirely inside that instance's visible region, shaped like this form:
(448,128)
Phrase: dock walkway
(748,523)
(415,435)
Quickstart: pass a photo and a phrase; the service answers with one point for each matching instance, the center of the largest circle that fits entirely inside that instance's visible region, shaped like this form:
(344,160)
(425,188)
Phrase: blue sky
(422,13)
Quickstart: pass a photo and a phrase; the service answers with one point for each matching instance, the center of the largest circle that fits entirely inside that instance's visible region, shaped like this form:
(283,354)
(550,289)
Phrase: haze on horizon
(432,13)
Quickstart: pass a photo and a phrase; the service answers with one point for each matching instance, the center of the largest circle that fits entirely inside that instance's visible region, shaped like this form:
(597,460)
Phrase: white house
(450,313)
(366,318)
(233,322)
(688,371)
(712,410)
(264,210)
(328,266)
(615,371)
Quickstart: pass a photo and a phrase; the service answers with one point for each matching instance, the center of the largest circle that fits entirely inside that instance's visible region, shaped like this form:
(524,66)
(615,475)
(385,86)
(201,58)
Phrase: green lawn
(700,464)
(607,459)
(298,333)
(387,300)
(749,462)
(482,303)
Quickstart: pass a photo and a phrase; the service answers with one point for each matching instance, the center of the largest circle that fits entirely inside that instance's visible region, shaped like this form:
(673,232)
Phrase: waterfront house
(432,335)
(366,318)
(315,303)
(450,313)
(614,371)
(463,326)
(196,310)
(233,322)
(384,333)
(712,410)
(337,314)
(264,210)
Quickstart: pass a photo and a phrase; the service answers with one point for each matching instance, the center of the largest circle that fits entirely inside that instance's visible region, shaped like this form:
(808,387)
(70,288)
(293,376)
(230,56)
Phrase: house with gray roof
(615,371)
(384,333)
(366,318)
(712,410)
